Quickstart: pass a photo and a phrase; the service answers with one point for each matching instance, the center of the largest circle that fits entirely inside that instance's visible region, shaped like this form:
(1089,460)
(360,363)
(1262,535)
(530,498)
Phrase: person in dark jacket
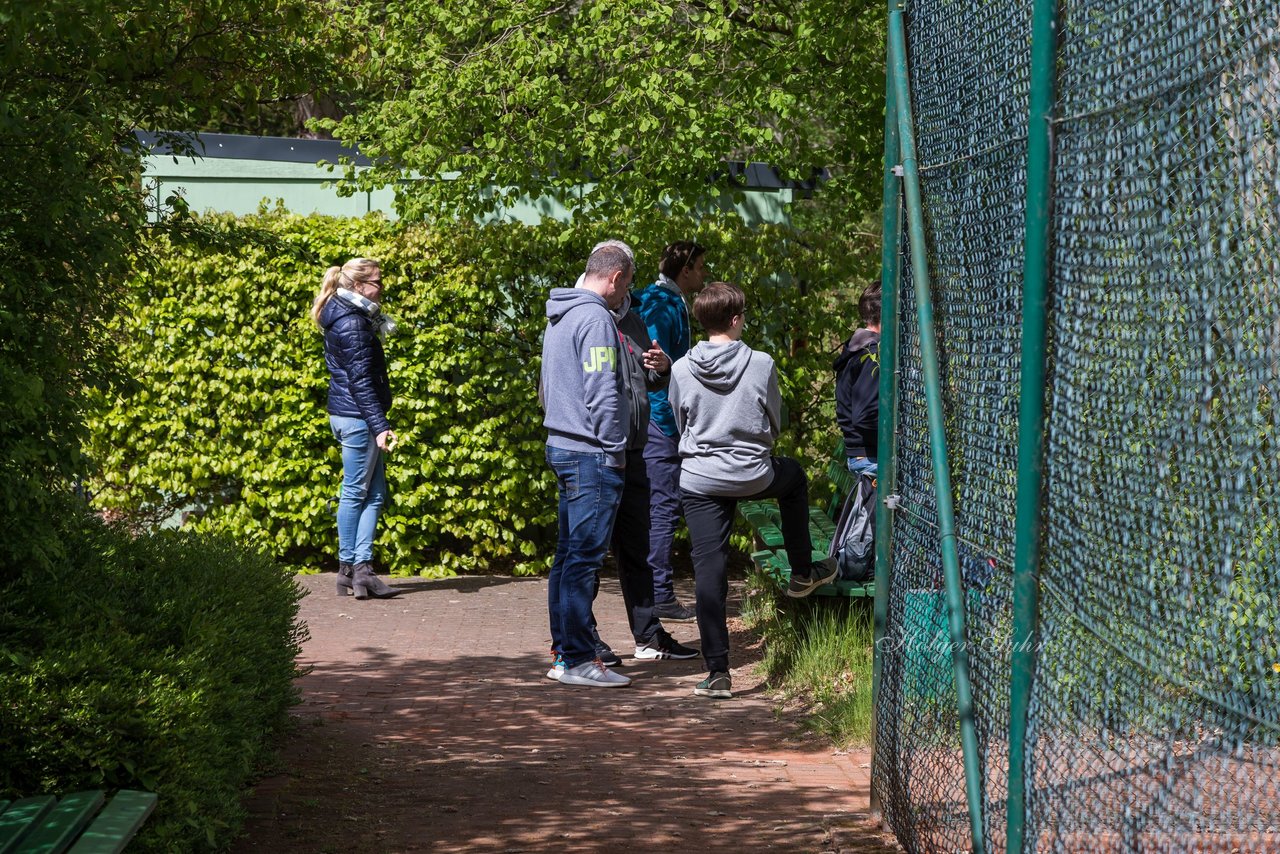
(347,309)
(858,387)
(666,314)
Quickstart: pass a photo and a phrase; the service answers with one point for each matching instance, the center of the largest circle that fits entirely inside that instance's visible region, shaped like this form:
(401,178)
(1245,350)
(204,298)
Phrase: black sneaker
(608,657)
(664,646)
(717,686)
(818,574)
(673,611)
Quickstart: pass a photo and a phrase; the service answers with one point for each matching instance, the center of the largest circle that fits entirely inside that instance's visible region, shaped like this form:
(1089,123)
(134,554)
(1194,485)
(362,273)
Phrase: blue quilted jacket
(358,385)
(667,318)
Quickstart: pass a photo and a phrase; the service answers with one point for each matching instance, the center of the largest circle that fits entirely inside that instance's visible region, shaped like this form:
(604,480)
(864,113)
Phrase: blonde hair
(356,271)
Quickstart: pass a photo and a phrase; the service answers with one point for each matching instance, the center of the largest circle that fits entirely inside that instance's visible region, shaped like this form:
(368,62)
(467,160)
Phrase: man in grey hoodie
(587,416)
(728,410)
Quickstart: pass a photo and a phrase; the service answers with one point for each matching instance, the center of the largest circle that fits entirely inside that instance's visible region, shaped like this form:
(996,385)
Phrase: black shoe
(664,646)
(818,574)
(717,686)
(672,610)
(608,657)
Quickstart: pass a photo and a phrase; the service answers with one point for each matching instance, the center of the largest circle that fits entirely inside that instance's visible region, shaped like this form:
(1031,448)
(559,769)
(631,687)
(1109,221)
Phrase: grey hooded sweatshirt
(584,399)
(728,412)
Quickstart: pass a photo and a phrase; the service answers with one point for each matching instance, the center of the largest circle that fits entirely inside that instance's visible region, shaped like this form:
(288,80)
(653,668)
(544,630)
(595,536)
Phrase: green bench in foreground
(766,523)
(49,826)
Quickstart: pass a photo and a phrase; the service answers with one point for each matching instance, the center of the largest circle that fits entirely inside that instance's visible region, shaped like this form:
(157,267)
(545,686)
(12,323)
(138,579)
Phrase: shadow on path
(427,724)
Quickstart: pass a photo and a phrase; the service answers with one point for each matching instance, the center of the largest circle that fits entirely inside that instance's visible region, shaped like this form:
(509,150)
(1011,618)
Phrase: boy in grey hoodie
(587,416)
(728,410)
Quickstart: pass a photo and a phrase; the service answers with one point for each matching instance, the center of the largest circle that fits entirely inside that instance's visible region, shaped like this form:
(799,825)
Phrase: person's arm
(662,320)
(673,398)
(773,403)
(354,342)
(863,410)
(659,375)
(597,344)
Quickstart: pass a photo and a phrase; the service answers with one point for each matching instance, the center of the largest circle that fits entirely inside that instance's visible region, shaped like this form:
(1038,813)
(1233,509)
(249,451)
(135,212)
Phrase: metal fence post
(1028,523)
(937,432)
(890,255)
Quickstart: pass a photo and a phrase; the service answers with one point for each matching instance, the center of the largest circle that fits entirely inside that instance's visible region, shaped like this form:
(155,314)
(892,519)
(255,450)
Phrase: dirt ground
(427,724)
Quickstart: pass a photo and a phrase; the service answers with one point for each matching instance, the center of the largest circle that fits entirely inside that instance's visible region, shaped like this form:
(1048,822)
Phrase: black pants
(710,520)
(630,546)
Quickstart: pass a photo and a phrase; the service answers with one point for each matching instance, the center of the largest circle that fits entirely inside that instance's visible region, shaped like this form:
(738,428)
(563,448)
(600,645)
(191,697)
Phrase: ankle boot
(365,584)
(344,578)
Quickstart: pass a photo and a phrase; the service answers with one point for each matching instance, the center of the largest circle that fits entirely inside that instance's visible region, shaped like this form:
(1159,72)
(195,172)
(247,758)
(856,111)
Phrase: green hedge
(226,410)
(163,662)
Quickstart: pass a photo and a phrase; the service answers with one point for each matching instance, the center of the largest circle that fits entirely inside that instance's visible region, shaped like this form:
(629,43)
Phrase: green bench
(766,524)
(47,825)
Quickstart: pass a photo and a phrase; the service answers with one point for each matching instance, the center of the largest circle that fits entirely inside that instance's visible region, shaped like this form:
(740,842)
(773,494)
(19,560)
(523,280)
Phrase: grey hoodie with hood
(584,399)
(728,411)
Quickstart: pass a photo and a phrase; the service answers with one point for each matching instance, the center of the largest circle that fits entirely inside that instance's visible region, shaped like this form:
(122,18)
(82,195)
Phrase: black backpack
(854,543)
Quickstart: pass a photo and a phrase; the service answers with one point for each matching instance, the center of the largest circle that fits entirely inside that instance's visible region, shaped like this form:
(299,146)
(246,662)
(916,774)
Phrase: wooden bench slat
(116,825)
(20,817)
(60,827)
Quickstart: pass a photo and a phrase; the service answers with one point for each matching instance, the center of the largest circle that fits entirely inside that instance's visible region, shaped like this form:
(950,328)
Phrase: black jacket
(358,385)
(633,336)
(858,393)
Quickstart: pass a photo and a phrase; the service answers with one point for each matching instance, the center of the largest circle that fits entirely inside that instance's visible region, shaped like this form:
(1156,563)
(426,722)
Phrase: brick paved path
(427,724)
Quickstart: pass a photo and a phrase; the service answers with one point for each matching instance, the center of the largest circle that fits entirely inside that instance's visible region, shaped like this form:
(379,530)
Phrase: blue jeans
(589,495)
(864,465)
(364,488)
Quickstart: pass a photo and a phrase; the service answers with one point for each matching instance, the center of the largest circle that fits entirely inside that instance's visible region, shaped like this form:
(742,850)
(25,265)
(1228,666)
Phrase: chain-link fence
(1155,710)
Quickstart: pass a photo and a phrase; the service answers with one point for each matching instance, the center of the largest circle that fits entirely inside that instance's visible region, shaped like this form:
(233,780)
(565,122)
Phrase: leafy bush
(226,408)
(163,662)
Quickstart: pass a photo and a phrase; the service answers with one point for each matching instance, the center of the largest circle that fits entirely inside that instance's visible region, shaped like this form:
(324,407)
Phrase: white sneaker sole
(555,673)
(648,653)
(595,683)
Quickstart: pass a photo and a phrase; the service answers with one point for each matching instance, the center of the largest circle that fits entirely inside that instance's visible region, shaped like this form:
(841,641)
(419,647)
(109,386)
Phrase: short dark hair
(607,260)
(679,255)
(869,305)
(716,306)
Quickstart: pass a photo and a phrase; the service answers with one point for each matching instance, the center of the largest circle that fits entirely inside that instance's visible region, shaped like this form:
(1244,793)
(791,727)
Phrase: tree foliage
(76,78)
(611,105)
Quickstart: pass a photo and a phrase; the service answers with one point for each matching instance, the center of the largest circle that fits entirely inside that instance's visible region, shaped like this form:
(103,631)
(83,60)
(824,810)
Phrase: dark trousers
(662,462)
(631,551)
(710,520)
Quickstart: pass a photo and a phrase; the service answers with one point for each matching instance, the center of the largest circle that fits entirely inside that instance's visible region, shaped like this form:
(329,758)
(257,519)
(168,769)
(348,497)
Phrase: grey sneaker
(717,686)
(664,646)
(818,574)
(595,674)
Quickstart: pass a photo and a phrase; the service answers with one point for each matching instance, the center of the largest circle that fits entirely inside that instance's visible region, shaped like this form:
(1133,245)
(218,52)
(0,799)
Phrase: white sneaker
(594,673)
(557,667)
(664,646)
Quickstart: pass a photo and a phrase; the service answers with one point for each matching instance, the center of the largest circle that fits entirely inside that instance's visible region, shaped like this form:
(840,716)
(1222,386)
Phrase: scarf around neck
(383,325)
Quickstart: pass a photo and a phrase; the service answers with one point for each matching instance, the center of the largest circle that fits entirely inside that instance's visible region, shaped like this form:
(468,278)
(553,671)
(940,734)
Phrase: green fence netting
(1155,713)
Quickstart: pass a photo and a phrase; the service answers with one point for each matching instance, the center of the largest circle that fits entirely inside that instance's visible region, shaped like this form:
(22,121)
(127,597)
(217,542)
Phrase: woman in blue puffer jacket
(347,310)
